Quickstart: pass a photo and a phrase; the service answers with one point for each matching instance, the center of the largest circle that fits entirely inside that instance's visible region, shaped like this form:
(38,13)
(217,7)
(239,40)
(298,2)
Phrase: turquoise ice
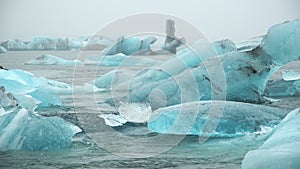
(130,45)
(21,129)
(246,72)
(281,149)
(32,91)
(215,118)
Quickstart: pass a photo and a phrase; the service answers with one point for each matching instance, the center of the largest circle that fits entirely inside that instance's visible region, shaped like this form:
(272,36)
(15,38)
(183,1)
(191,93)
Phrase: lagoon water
(86,153)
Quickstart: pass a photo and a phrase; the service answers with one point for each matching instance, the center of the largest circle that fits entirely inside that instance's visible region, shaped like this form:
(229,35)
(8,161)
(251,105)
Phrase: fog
(216,19)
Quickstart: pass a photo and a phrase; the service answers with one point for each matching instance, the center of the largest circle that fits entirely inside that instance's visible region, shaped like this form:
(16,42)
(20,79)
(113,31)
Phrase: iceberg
(130,45)
(112,79)
(120,60)
(97,43)
(158,73)
(2,49)
(42,43)
(214,118)
(45,43)
(224,46)
(47,59)
(246,72)
(30,90)
(21,129)
(281,149)
(15,44)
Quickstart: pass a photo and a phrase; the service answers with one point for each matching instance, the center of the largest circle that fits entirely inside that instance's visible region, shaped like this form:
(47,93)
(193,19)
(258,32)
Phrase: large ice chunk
(281,150)
(30,90)
(282,42)
(120,60)
(47,59)
(2,49)
(214,118)
(21,129)
(130,45)
(246,72)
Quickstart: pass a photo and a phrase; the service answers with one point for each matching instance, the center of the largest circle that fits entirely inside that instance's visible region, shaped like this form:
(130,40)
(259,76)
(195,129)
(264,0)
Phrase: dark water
(87,153)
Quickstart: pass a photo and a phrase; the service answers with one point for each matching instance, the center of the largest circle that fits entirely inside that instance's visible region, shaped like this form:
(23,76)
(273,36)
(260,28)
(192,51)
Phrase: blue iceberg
(2,49)
(51,43)
(215,118)
(97,43)
(120,60)
(246,72)
(186,58)
(21,129)
(130,45)
(281,149)
(30,90)
(47,59)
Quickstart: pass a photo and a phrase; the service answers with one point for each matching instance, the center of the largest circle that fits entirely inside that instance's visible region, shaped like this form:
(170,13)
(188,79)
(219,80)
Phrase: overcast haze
(216,19)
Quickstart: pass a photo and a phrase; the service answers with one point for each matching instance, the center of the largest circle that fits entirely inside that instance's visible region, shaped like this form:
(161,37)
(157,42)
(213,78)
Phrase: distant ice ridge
(281,149)
(31,91)
(215,118)
(23,129)
(246,72)
(51,43)
(106,60)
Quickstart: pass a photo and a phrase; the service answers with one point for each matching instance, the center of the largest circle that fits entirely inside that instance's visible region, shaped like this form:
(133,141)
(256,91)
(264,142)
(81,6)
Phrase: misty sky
(216,19)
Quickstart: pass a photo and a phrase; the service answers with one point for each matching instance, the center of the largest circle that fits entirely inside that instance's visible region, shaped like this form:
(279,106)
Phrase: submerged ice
(214,118)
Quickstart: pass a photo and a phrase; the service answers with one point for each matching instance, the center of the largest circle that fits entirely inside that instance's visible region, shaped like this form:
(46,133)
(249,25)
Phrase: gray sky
(216,19)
